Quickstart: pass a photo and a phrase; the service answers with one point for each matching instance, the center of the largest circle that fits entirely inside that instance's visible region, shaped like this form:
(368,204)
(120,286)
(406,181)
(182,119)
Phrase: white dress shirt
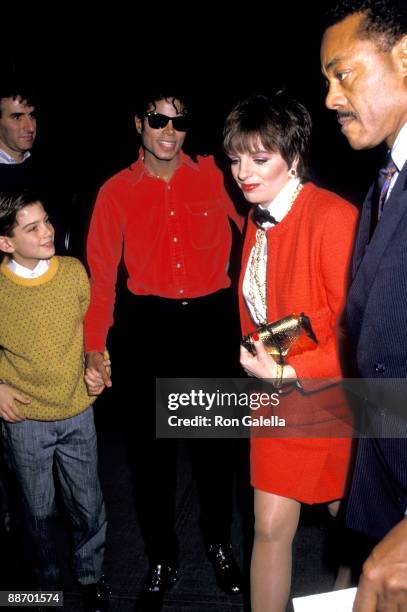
(398,155)
(40,269)
(5,158)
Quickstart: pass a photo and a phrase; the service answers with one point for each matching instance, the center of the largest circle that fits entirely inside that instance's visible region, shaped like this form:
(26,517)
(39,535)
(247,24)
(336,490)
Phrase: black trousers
(191,338)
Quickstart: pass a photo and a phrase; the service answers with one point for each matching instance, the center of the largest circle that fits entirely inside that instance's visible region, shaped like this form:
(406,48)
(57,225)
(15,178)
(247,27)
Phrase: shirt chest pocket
(206,222)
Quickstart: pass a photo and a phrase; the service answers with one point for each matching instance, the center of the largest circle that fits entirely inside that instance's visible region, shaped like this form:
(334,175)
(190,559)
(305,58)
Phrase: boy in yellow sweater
(47,417)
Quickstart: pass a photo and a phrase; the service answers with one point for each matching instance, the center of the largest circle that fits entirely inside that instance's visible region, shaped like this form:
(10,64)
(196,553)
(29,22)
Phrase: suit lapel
(363,234)
(368,256)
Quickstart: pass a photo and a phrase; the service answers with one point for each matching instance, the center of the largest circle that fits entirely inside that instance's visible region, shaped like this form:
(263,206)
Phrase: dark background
(88,65)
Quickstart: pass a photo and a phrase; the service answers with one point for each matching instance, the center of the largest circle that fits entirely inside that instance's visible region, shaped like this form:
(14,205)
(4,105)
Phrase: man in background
(20,168)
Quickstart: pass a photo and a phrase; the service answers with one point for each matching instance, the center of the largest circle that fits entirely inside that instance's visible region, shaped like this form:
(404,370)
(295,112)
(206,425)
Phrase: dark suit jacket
(376,318)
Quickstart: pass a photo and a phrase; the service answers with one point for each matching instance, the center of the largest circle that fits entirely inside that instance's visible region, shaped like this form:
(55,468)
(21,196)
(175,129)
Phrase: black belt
(178,303)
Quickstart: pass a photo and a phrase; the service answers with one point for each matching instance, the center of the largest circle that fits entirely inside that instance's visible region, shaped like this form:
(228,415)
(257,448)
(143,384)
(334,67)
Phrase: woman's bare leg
(276,521)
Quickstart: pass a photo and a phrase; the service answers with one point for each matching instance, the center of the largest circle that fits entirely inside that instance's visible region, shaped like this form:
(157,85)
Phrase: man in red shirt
(169,215)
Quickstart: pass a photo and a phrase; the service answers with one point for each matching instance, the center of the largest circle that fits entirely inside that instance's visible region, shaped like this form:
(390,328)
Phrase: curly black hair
(17,88)
(149,98)
(385,20)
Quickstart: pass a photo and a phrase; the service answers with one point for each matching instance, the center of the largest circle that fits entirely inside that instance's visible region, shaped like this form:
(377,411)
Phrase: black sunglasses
(157,121)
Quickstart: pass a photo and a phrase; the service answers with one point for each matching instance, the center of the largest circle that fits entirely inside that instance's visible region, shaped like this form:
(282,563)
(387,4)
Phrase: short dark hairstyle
(385,21)
(279,122)
(11,202)
(13,89)
(148,100)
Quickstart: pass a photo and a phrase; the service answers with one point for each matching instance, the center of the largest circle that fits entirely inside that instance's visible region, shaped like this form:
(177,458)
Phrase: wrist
(104,353)
(284,375)
(92,358)
(279,374)
(289,374)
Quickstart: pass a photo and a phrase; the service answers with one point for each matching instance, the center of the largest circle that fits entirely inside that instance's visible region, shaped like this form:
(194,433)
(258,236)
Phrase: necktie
(380,191)
(260,216)
(384,180)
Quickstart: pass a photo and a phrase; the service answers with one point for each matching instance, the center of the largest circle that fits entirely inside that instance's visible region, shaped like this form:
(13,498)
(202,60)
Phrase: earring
(292,173)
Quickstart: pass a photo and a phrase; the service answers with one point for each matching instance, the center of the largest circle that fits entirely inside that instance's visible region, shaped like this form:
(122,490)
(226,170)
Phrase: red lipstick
(250,186)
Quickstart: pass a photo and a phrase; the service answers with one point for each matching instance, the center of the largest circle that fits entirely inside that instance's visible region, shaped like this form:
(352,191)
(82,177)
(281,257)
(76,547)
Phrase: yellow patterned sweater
(41,338)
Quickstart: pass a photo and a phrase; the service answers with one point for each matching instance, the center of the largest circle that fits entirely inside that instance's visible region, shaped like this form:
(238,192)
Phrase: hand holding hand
(97,372)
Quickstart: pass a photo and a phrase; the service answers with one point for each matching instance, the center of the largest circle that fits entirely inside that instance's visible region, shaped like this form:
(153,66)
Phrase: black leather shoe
(95,596)
(161,578)
(227,571)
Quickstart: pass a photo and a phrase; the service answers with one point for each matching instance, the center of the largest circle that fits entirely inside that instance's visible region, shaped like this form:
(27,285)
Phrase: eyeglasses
(157,121)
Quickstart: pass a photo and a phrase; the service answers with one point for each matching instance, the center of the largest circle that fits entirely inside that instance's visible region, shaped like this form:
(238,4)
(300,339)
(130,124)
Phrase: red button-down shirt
(176,238)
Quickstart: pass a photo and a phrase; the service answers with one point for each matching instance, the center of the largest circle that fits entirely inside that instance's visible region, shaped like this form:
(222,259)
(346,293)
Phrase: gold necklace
(255,281)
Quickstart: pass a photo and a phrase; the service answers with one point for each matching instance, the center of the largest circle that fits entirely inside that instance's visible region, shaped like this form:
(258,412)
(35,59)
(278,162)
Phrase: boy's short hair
(11,202)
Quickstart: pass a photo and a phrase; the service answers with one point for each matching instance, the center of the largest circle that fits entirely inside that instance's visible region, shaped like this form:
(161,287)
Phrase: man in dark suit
(20,168)
(364,59)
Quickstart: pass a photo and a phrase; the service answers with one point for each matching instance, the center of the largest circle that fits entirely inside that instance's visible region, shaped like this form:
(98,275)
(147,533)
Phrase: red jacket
(307,269)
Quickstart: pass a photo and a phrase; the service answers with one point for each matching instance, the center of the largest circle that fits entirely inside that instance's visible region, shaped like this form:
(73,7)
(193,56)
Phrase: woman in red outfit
(294,261)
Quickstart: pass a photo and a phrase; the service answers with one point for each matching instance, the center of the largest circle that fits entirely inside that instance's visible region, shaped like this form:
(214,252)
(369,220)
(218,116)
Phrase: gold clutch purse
(291,335)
